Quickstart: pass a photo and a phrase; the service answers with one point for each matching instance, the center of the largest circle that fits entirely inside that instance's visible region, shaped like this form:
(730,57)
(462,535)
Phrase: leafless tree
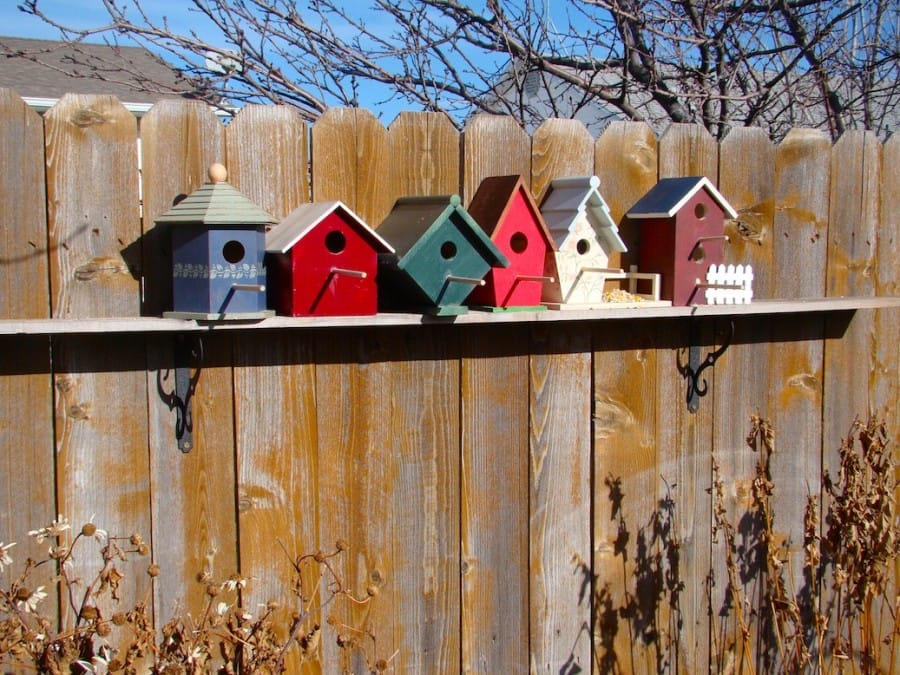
(831,64)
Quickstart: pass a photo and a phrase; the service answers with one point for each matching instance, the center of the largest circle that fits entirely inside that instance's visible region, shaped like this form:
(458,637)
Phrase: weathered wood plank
(277,481)
(885,391)
(93,217)
(24,292)
(179,142)
(559,148)
(388,485)
(27,453)
(193,492)
(425,157)
(625,161)
(266,149)
(493,145)
(102,465)
(627,592)
(494,500)
(849,366)
(27,494)
(746,179)
(802,177)
(351,162)
(560,499)
(689,150)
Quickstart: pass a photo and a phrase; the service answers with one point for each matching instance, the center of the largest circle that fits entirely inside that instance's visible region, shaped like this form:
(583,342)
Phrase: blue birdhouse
(218,248)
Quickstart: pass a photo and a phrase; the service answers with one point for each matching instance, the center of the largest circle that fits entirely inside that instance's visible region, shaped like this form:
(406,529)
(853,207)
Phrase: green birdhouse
(440,255)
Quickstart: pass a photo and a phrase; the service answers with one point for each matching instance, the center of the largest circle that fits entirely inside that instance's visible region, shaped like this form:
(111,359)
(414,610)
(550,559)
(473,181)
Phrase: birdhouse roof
(413,218)
(570,198)
(667,197)
(216,204)
(493,200)
(302,220)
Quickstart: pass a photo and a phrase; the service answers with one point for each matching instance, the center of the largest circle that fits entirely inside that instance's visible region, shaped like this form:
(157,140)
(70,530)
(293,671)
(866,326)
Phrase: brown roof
(49,69)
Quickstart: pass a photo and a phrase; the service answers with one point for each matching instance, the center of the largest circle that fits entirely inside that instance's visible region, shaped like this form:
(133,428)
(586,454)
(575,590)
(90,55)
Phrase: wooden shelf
(613,313)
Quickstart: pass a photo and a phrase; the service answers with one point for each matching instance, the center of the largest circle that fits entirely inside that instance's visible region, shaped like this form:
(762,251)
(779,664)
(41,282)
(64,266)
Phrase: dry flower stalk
(226,638)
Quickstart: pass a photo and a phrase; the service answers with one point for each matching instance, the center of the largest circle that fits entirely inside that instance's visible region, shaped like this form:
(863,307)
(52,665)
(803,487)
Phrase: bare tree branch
(771,63)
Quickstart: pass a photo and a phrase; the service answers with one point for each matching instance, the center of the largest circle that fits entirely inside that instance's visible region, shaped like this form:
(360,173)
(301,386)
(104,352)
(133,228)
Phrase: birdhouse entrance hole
(233,251)
(518,242)
(700,211)
(448,250)
(335,241)
(583,246)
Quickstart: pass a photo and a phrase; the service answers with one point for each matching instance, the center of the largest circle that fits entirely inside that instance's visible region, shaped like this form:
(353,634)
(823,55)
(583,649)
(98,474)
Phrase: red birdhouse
(682,234)
(322,260)
(505,210)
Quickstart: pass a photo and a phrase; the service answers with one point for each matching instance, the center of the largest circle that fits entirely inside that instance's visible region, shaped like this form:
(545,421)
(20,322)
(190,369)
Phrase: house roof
(216,203)
(44,70)
(303,220)
(571,197)
(412,217)
(493,200)
(668,196)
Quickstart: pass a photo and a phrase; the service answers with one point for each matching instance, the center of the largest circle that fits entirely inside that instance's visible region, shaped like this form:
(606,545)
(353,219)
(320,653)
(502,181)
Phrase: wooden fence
(525,496)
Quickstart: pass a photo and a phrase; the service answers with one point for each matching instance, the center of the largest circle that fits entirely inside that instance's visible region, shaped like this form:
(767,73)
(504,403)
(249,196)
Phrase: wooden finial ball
(217,173)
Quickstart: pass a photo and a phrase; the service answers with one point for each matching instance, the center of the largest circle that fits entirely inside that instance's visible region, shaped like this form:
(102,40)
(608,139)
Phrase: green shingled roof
(216,204)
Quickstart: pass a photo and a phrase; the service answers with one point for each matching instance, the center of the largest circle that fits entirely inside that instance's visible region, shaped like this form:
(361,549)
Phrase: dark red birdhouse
(682,234)
(322,260)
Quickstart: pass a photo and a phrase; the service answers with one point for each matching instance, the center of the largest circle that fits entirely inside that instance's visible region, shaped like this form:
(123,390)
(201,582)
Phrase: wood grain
(686,150)
(851,262)
(559,148)
(92,141)
(627,591)
(277,474)
(625,161)
(493,145)
(193,494)
(425,157)
(746,179)
(388,481)
(802,179)
(102,463)
(494,500)
(179,142)
(351,162)
(885,390)
(266,151)
(560,500)
(27,491)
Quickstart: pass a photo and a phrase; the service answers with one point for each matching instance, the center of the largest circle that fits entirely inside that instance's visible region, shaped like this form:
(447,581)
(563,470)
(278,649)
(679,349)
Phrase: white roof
(571,197)
(302,220)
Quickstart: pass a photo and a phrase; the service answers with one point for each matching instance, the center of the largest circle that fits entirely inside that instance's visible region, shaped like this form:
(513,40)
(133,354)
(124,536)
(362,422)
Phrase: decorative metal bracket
(693,369)
(188,356)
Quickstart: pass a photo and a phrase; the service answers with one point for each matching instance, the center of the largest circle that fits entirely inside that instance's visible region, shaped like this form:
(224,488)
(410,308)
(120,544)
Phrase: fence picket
(486,479)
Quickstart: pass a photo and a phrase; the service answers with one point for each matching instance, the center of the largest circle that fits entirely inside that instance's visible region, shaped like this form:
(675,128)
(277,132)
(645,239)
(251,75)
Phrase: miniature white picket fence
(729,284)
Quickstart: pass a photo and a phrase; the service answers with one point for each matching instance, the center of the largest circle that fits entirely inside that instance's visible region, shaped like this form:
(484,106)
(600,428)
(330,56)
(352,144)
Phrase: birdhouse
(441,255)
(322,260)
(584,235)
(682,233)
(505,210)
(218,243)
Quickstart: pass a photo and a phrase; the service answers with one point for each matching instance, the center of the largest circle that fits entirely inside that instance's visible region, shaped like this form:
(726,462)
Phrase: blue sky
(90,14)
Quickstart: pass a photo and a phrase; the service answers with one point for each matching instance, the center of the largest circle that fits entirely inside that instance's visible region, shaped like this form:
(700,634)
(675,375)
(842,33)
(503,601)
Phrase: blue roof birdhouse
(440,255)
(218,245)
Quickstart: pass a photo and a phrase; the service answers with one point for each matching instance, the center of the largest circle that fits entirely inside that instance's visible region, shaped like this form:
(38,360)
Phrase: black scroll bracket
(692,371)
(188,355)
